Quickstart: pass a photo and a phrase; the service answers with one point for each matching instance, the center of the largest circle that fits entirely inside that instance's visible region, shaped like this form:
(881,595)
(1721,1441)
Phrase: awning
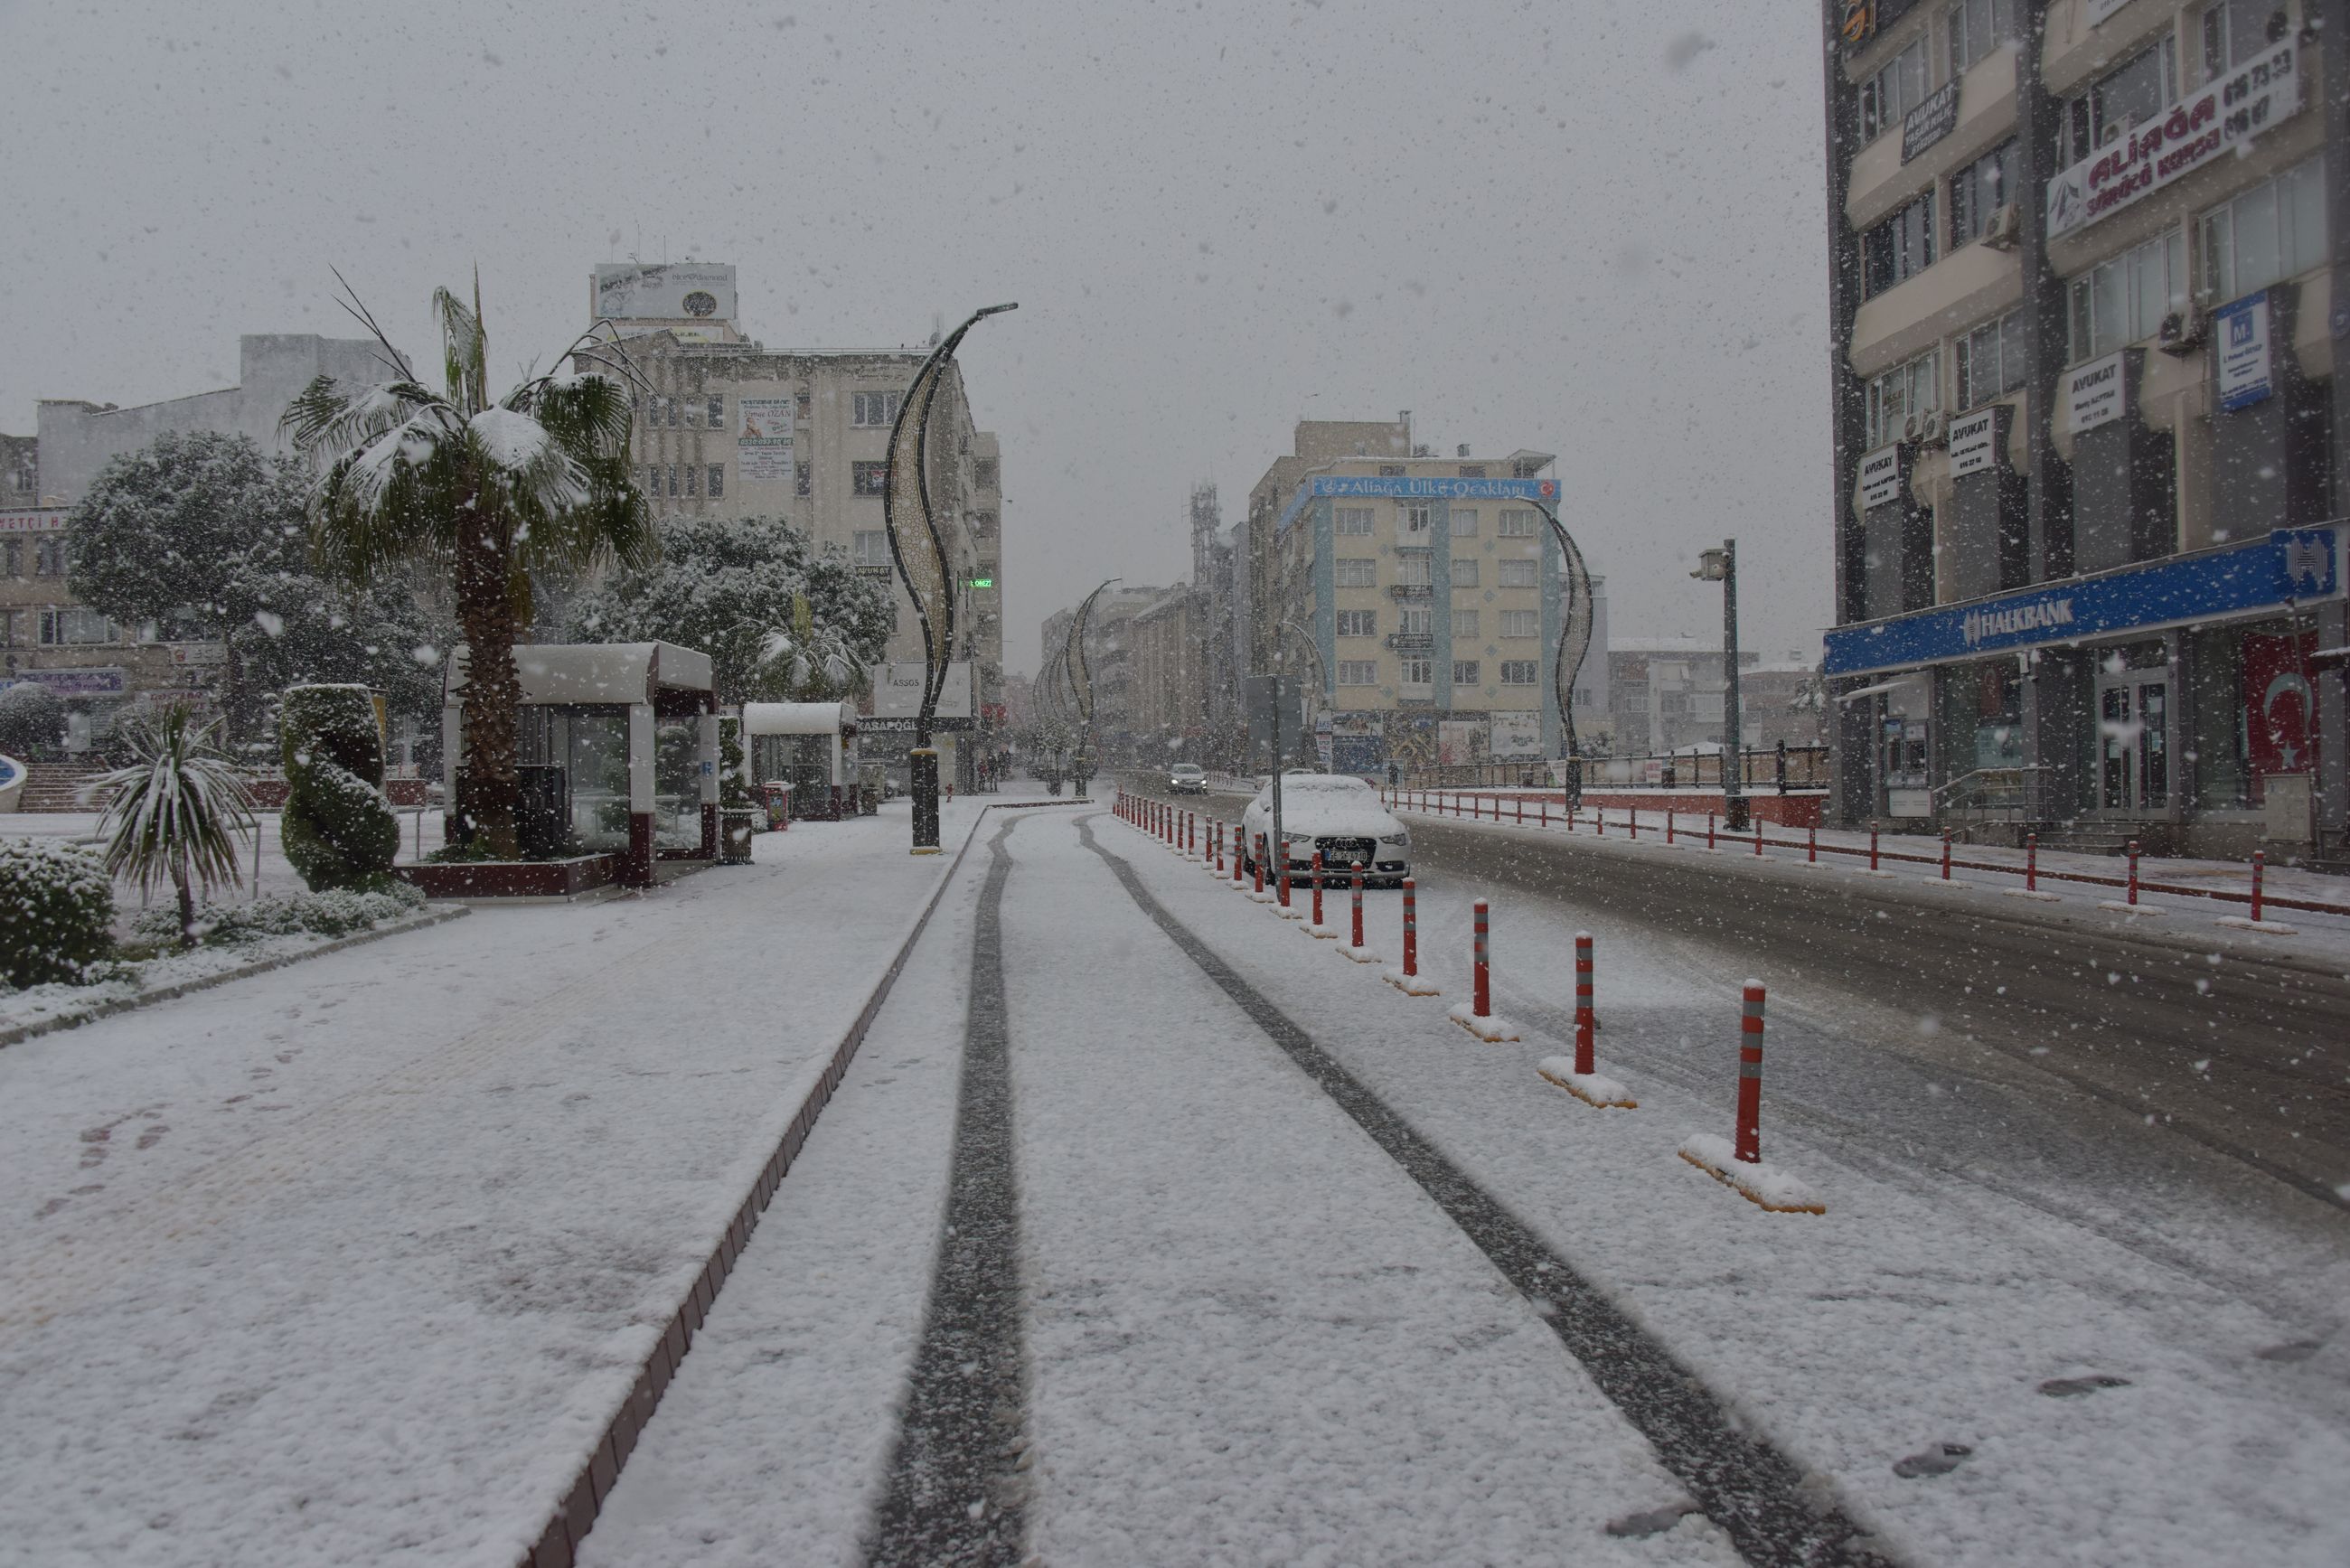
(799,719)
(555,673)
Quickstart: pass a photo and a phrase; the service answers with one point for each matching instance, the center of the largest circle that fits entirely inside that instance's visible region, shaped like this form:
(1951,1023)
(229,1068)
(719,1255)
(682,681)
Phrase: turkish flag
(2280,708)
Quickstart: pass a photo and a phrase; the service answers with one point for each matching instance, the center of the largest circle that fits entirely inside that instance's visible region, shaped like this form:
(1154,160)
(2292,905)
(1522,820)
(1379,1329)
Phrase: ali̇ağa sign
(2195,131)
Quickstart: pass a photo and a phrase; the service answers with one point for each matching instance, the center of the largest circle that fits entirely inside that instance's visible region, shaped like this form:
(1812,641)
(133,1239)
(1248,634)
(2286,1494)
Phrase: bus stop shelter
(811,746)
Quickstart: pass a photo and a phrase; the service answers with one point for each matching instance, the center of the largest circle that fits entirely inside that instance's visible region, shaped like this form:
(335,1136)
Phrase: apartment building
(727,428)
(1419,596)
(1109,654)
(1670,693)
(2088,266)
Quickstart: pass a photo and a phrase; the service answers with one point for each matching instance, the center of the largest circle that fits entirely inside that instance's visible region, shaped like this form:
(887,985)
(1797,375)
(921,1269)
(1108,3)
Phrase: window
(869,409)
(1977,27)
(1912,389)
(692,479)
(2124,300)
(1412,522)
(49,557)
(1465,571)
(2133,91)
(1358,672)
(806,401)
(1465,672)
(984,472)
(1417,672)
(1517,522)
(1464,522)
(1412,571)
(2267,233)
(1358,572)
(693,413)
(1472,470)
(70,626)
(1520,672)
(1898,248)
(1354,520)
(670,408)
(868,478)
(1465,625)
(652,479)
(11,556)
(1893,91)
(1390,470)
(1980,189)
(870,547)
(1521,623)
(718,413)
(9,619)
(1417,622)
(1519,573)
(1990,361)
(672,481)
(1358,623)
(717,482)
(802,479)
(2234,31)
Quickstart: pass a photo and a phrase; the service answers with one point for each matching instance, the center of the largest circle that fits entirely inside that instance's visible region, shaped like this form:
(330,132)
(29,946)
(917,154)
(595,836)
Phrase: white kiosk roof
(799,719)
(583,672)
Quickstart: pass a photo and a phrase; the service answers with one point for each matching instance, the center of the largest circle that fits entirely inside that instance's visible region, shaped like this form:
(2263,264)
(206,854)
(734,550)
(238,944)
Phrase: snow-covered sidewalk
(351,1261)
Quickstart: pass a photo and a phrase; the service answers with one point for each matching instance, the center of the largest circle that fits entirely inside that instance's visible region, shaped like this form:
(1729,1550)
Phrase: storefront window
(677,784)
(2255,717)
(1982,717)
(598,753)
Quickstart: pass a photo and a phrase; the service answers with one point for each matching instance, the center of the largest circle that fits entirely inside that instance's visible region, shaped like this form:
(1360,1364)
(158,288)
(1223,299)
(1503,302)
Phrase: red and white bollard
(1481,991)
(1946,861)
(2032,865)
(1545,812)
(1758,839)
(1586,1059)
(1318,888)
(1258,863)
(1668,827)
(2133,872)
(1522,811)
(1750,1077)
(1281,874)
(1709,830)
(2260,866)
(1410,927)
(1357,938)
(1635,816)
(1872,845)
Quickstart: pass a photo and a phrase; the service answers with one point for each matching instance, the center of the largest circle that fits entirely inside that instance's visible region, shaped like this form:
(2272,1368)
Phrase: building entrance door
(2134,744)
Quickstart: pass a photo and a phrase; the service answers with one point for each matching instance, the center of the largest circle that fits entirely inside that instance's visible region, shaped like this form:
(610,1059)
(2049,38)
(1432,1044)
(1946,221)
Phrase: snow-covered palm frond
(332,420)
(173,812)
(802,658)
(464,347)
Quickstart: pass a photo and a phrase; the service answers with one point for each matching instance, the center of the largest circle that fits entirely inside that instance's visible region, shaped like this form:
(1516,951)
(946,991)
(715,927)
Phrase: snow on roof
(575,672)
(799,718)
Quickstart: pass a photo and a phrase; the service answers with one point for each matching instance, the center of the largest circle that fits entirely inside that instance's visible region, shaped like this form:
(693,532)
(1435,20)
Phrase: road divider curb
(1592,1088)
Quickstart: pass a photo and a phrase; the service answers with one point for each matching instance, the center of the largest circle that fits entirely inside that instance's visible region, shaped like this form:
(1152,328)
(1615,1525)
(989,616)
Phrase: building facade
(1109,652)
(727,428)
(2088,268)
(1418,598)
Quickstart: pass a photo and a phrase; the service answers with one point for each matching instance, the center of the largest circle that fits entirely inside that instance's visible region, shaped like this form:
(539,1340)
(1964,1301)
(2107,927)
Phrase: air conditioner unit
(2182,331)
(2005,229)
(1929,426)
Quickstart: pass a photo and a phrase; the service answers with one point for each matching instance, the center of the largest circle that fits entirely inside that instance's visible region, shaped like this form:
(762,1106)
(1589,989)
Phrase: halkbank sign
(2292,566)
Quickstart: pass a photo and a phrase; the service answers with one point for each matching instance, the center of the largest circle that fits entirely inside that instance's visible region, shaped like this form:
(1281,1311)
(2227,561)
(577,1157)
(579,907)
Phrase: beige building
(727,428)
(1418,596)
(1110,643)
(1169,709)
(2088,273)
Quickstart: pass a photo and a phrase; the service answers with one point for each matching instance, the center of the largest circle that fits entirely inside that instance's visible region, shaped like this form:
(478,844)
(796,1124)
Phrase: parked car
(1339,816)
(1187,778)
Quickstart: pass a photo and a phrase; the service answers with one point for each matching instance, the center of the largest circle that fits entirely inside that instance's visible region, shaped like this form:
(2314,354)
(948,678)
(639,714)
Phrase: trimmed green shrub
(338,829)
(32,719)
(56,913)
(330,914)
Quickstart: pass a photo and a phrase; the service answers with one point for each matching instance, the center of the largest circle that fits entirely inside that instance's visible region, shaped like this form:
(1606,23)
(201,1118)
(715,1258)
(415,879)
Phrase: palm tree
(485,492)
(174,811)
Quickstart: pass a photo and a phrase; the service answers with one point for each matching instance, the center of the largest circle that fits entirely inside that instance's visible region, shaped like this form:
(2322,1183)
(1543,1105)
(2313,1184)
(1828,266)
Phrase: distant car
(1338,814)
(1187,778)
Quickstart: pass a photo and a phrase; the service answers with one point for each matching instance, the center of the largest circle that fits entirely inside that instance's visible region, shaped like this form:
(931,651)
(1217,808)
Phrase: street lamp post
(1721,567)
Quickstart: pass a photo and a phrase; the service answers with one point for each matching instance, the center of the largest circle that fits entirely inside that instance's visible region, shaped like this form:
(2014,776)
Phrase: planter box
(510,878)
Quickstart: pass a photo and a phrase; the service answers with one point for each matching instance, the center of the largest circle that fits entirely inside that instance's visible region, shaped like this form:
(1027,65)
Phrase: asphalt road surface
(2154,1035)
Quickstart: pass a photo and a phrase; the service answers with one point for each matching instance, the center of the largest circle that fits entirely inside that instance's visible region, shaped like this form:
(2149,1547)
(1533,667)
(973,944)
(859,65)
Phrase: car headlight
(1398,840)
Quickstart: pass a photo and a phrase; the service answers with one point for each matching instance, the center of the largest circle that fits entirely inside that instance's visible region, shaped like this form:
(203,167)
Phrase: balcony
(1410,591)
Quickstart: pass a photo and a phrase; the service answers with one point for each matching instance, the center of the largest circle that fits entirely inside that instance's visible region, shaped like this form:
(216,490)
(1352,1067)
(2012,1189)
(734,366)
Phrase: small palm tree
(487,492)
(174,811)
(816,663)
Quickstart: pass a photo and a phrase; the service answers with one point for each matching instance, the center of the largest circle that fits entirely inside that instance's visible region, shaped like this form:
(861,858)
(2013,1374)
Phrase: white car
(1187,778)
(1338,814)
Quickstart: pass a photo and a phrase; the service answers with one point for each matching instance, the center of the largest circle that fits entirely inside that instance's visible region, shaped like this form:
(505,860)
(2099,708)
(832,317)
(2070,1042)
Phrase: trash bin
(735,824)
(776,796)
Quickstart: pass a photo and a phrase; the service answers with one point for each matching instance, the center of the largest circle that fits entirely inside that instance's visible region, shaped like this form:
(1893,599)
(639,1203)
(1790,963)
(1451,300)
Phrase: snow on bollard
(1740,1166)
(1408,979)
(1476,1016)
(1579,1075)
(1315,927)
(1355,949)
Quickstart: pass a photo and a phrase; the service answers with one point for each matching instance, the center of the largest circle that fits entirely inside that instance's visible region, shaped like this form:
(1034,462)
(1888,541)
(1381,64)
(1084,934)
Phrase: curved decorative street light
(1080,678)
(920,552)
(1574,645)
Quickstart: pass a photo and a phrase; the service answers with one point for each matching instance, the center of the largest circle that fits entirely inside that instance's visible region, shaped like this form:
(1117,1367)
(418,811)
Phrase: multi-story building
(99,667)
(1669,693)
(1418,597)
(1169,719)
(727,428)
(1109,654)
(2090,283)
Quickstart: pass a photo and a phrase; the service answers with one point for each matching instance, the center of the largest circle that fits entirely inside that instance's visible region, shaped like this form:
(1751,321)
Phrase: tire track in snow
(955,1493)
(1755,1492)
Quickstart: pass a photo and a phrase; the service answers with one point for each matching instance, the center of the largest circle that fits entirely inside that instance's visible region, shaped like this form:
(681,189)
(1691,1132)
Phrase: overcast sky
(1589,229)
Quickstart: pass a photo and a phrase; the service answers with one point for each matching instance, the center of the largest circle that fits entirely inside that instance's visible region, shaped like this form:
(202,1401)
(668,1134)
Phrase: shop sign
(762,438)
(2195,130)
(2295,563)
(1930,121)
(1880,476)
(2241,331)
(2096,393)
(99,683)
(194,655)
(1517,735)
(1359,722)
(1974,442)
(33,520)
(897,690)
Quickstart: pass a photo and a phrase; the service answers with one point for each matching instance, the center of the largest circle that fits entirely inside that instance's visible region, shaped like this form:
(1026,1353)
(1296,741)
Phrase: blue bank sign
(1543,490)
(2295,563)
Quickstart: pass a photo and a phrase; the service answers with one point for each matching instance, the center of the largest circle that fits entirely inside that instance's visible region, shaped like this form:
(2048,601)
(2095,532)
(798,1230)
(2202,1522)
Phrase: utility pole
(1721,566)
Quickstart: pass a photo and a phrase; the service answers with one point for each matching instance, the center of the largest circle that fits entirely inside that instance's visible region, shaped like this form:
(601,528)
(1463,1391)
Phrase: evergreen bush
(330,914)
(338,829)
(32,719)
(56,913)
